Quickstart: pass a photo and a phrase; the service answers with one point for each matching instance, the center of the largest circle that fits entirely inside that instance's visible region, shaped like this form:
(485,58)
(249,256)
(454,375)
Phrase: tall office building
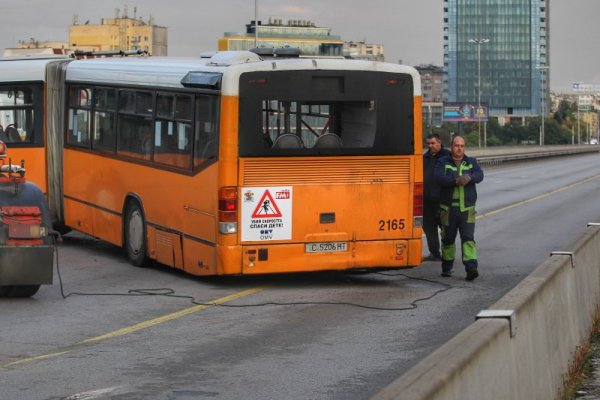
(512,37)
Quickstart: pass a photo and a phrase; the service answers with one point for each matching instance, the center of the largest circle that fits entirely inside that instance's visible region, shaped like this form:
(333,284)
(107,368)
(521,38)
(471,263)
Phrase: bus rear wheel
(19,291)
(135,235)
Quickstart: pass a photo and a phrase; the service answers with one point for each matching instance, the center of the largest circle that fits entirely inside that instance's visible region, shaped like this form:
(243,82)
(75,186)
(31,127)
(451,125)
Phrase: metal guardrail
(495,159)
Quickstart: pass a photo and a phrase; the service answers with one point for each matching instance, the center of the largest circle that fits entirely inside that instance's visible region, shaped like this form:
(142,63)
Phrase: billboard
(465,112)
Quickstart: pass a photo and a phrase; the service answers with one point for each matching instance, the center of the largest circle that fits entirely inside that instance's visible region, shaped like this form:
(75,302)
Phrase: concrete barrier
(531,149)
(525,351)
(498,155)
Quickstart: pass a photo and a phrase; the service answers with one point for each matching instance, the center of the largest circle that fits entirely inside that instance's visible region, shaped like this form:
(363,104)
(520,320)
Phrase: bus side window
(205,135)
(172,130)
(16,115)
(135,124)
(104,137)
(135,137)
(79,116)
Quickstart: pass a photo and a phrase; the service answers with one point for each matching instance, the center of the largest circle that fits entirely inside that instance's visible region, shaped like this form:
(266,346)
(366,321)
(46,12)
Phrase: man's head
(434,143)
(458,147)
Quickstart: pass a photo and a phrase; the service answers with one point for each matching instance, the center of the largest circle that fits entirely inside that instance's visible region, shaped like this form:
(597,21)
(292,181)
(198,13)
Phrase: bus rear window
(325,113)
(289,124)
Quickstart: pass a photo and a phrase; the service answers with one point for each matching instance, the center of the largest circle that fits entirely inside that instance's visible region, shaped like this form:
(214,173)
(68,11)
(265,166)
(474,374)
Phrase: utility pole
(543,69)
(478,43)
(255,23)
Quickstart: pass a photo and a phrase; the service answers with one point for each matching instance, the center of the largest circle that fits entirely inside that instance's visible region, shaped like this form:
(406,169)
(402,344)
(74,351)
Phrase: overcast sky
(410,30)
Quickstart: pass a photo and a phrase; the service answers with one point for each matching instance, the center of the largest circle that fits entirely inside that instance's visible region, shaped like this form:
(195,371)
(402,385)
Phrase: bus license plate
(326,247)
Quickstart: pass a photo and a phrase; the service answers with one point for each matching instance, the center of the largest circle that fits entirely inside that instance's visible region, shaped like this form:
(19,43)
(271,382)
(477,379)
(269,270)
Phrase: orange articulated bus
(236,165)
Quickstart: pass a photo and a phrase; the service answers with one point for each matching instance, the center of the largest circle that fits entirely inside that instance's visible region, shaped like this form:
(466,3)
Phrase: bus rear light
(418,205)
(228,210)
(228,198)
(227,205)
(418,222)
(227,216)
(228,227)
(258,81)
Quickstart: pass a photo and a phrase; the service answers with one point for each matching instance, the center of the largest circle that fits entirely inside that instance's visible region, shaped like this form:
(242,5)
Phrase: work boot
(433,257)
(472,274)
(446,273)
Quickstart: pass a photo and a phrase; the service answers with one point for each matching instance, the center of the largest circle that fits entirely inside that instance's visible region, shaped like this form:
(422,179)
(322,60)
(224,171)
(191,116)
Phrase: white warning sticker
(266,213)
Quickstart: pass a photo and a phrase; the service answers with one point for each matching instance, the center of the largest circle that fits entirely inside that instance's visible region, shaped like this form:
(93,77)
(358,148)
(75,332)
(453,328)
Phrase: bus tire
(135,235)
(19,291)
(62,229)
(25,290)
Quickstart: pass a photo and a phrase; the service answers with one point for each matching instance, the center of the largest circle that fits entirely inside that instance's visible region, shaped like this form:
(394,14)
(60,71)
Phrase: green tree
(554,133)
(557,129)
(565,111)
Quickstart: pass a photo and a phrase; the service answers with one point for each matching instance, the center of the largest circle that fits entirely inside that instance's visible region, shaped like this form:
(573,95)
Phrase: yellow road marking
(541,196)
(36,358)
(169,317)
(137,327)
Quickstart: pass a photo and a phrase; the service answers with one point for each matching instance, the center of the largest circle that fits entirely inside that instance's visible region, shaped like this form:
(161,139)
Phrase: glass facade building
(513,62)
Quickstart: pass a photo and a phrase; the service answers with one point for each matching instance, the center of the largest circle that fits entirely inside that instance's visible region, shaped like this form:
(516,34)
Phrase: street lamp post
(478,43)
(543,69)
(578,123)
(255,23)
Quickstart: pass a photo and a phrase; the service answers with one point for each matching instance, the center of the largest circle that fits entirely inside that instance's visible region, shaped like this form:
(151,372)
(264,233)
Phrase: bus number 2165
(391,224)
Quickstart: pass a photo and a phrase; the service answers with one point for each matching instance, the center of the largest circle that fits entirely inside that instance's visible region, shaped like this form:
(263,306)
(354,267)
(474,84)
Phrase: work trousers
(431,222)
(455,221)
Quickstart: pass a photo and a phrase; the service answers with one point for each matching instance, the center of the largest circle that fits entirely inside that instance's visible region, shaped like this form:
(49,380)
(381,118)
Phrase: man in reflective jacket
(457,175)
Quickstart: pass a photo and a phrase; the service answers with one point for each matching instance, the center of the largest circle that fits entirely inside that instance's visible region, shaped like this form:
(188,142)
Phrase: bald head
(458,147)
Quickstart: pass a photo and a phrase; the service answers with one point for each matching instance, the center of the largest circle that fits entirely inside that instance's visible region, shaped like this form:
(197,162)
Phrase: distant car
(593,141)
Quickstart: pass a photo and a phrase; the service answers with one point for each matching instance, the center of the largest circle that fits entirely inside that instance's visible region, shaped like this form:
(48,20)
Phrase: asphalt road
(341,336)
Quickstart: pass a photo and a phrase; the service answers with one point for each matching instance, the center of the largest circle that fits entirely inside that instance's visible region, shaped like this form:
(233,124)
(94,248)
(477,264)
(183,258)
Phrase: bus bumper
(26,265)
(281,258)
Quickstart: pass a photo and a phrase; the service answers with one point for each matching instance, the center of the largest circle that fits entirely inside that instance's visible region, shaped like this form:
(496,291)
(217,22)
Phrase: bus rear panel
(328,176)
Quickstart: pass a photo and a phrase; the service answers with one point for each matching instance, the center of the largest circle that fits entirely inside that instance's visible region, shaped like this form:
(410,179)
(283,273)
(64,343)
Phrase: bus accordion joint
(228,210)
(418,205)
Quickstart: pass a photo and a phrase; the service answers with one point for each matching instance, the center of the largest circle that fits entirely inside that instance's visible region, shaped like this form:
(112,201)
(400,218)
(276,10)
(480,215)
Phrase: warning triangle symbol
(266,207)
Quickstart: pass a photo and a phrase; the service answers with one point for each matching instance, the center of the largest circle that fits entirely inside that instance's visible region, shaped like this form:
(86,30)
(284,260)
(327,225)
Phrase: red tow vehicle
(26,243)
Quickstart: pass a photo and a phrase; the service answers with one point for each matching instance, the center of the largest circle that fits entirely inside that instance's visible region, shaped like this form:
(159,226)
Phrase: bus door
(327,171)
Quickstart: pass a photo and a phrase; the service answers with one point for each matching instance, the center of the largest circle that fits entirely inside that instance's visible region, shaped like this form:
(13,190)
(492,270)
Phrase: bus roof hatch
(227,58)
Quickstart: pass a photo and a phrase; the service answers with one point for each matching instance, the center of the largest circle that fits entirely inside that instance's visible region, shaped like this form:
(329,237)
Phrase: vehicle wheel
(62,229)
(24,290)
(135,235)
(19,291)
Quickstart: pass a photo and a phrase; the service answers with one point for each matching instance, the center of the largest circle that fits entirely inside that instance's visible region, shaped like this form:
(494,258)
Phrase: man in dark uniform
(457,175)
(431,195)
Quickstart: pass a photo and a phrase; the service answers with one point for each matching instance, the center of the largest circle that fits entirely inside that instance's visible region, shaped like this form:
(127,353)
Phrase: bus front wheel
(135,235)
